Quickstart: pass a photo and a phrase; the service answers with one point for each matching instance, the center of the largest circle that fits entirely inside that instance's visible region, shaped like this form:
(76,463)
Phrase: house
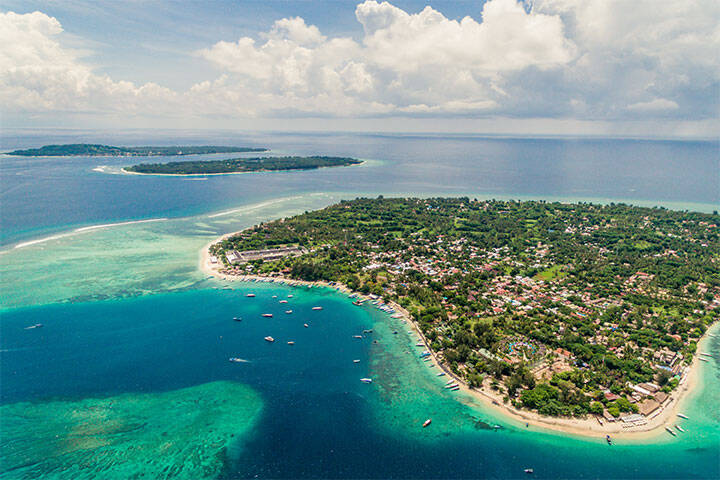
(648,406)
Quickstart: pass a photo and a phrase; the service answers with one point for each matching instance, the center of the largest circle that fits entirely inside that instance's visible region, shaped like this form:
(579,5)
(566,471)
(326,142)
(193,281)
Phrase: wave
(83,230)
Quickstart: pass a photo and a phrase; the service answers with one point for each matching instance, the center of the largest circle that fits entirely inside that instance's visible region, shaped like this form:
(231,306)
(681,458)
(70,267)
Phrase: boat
(267,315)
(680,428)
(357,302)
(705,354)
(288,312)
(269,339)
(608,439)
(529,470)
(427,422)
(274,296)
(366,380)
(357,336)
(290,296)
(291,343)
(670,432)
(497,427)
(305,325)
(317,308)
(237,319)
(251,295)
(441,374)
(237,360)
(397,315)
(37,325)
(356,361)
(449,382)
(283,301)
(367,331)
(682,415)
(419,344)
(703,359)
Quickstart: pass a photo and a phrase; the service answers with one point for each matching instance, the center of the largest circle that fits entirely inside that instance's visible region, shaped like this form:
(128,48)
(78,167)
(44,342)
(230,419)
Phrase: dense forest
(86,149)
(236,165)
(565,309)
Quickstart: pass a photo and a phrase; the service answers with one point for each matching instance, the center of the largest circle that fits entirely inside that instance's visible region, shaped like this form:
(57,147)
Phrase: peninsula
(241,165)
(584,318)
(95,150)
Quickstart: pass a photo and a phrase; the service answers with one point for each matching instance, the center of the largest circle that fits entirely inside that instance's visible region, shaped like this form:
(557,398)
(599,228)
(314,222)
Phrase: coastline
(127,172)
(584,427)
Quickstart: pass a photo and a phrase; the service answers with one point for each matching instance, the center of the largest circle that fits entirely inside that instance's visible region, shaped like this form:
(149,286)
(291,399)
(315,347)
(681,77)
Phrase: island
(96,150)
(580,317)
(241,165)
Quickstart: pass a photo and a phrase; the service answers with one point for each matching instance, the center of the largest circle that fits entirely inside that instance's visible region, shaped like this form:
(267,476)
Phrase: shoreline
(589,427)
(127,172)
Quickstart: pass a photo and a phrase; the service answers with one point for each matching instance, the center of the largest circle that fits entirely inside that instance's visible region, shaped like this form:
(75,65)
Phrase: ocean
(130,371)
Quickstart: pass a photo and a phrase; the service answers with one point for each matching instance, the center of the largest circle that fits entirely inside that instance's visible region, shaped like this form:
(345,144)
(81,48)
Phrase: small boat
(449,382)
(671,432)
(291,343)
(441,374)
(357,336)
(274,296)
(250,295)
(357,302)
(317,308)
(419,344)
(427,422)
(237,360)
(237,319)
(705,354)
(702,359)
(305,325)
(288,312)
(283,301)
(269,339)
(366,380)
(395,332)
(682,415)
(608,439)
(356,361)
(680,428)
(37,325)
(497,427)
(529,470)
(290,296)
(267,315)
(455,388)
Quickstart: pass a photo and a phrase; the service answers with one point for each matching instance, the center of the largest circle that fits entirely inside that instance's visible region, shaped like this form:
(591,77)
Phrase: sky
(552,67)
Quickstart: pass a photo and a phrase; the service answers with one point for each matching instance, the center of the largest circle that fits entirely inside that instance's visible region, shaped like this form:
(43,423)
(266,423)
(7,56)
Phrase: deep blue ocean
(125,311)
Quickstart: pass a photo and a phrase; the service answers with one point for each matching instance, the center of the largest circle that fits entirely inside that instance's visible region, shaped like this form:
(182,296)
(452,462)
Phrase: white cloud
(585,59)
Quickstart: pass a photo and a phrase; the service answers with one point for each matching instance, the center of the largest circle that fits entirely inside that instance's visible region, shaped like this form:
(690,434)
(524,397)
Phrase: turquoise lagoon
(130,371)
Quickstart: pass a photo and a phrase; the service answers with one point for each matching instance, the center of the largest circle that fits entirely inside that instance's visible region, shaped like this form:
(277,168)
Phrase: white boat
(31,327)
(670,432)
(290,296)
(305,325)
(357,336)
(317,308)
(705,354)
(250,295)
(703,359)
(267,315)
(356,361)
(441,374)
(288,312)
(238,360)
(680,428)
(283,301)
(427,422)
(419,344)
(291,343)
(366,380)
(682,415)
(269,339)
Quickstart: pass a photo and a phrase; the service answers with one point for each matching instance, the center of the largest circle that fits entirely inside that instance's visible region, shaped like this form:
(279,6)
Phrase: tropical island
(241,165)
(578,313)
(96,150)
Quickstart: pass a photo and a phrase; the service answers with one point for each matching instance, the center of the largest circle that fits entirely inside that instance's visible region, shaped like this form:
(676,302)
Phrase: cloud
(605,60)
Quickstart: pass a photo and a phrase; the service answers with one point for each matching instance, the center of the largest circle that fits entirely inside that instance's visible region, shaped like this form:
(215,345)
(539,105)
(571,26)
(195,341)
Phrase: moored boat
(366,380)
(237,319)
(283,301)
(529,470)
(682,415)
(317,308)
(608,439)
(267,315)
(427,422)
(305,325)
(357,336)
(288,312)
(356,361)
(669,430)
(291,342)
(251,295)
(37,325)
(680,428)
(269,339)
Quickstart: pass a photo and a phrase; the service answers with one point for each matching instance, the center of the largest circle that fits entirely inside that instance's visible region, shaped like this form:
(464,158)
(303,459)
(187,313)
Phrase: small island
(241,165)
(96,150)
(579,317)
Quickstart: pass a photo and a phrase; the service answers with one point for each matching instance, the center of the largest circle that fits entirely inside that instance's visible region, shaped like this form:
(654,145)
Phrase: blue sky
(643,68)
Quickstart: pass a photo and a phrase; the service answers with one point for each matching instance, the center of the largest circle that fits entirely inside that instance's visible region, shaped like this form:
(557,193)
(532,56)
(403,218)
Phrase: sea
(129,375)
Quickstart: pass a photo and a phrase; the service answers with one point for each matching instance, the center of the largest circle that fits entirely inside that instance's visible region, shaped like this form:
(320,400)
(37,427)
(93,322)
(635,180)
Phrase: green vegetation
(236,165)
(566,309)
(86,149)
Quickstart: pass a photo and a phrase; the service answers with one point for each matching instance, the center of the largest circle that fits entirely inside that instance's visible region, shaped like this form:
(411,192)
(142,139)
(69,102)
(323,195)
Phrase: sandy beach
(587,427)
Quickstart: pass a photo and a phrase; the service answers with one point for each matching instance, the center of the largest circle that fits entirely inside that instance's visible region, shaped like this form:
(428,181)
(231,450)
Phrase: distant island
(590,312)
(92,150)
(241,165)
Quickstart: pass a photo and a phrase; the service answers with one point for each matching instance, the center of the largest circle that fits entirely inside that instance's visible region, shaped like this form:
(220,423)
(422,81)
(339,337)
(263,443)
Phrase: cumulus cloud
(585,59)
